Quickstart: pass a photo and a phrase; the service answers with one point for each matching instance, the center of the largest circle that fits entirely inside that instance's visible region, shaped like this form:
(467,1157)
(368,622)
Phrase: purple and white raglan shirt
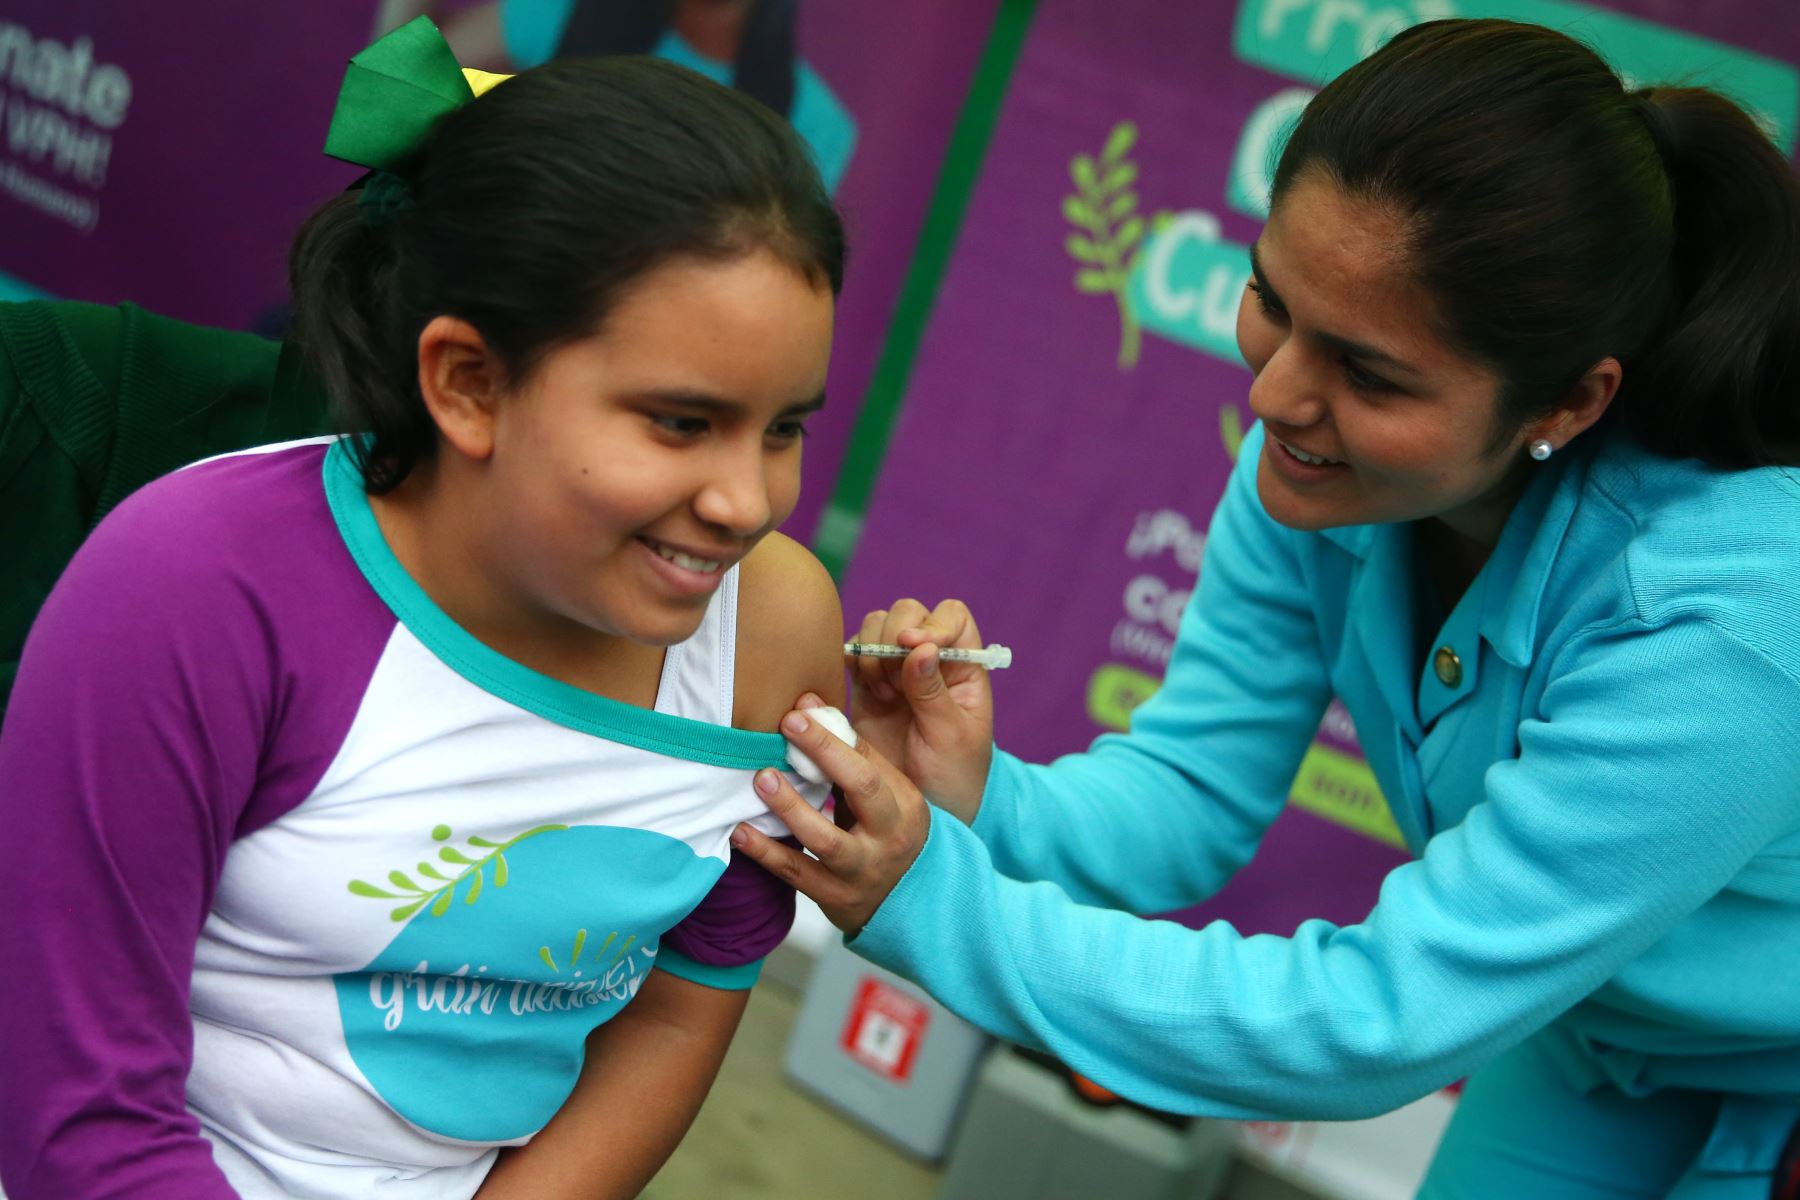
(308,892)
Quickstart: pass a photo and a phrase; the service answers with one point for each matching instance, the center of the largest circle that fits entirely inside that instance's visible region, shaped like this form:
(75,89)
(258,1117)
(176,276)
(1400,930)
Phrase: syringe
(994,658)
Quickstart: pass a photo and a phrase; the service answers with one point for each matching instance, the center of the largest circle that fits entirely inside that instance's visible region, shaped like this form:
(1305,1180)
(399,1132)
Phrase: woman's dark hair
(1558,218)
(526,213)
(764,67)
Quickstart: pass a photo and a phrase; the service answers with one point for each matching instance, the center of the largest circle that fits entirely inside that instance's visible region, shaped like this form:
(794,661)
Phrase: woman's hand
(881,825)
(934,721)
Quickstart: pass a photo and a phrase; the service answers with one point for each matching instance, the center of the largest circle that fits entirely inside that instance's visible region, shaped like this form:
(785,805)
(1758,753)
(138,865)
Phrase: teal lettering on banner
(1259,146)
(1187,281)
(1315,40)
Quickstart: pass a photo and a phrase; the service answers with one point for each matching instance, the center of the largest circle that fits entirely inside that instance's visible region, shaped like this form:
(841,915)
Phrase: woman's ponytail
(1720,379)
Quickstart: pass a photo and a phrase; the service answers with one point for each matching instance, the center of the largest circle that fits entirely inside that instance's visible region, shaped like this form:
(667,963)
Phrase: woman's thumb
(923,682)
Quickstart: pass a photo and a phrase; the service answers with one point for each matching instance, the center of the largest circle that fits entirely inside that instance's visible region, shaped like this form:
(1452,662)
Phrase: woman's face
(636,466)
(1370,417)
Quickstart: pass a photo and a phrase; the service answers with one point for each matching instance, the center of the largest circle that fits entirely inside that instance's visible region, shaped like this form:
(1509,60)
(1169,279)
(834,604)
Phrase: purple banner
(904,70)
(193,154)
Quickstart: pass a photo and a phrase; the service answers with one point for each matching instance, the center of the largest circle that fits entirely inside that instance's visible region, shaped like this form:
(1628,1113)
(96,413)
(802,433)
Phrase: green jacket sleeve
(94,403)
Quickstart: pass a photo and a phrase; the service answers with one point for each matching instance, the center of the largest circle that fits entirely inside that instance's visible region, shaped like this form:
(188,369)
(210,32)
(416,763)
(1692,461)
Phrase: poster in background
(1078,398)
(166,153)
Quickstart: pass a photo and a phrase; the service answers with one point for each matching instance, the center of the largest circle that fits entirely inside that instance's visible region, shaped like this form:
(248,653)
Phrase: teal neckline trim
(494,673)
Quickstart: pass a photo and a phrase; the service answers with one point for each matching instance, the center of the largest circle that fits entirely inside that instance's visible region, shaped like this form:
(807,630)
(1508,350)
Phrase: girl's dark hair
(1558,218)
(765,58)
(527,212)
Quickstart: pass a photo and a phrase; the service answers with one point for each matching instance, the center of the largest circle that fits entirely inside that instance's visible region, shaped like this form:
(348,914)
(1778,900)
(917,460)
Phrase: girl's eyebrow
(707,403)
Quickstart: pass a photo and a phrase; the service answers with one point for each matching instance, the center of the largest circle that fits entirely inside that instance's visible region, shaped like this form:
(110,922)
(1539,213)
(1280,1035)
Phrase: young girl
(370,798)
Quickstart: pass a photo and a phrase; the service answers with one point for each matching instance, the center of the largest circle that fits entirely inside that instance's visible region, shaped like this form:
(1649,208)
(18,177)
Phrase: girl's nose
(735,496)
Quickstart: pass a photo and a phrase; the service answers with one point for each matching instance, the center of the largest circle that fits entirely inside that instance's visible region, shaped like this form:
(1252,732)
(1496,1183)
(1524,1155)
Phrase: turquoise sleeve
(1659,762)
(532,29)
(1161,817)
(823,122)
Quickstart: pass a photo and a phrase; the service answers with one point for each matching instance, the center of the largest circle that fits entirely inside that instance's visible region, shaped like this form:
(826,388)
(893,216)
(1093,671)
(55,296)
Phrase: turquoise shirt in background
(1605,807)
(532,29)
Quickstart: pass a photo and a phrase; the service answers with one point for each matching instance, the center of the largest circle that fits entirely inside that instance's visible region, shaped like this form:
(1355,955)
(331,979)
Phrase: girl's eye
(683,426)
(1267,303)
(1364,380)
(788,431)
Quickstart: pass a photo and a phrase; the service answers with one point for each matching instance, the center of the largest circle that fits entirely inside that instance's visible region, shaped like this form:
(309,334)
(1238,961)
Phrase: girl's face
(634,467)
(1369,416)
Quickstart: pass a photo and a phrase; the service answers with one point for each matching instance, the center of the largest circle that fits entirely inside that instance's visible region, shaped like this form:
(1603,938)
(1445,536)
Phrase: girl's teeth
(703,565)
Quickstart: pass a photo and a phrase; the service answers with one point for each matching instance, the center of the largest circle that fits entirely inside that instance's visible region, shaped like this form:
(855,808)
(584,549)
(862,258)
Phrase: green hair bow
(394,90)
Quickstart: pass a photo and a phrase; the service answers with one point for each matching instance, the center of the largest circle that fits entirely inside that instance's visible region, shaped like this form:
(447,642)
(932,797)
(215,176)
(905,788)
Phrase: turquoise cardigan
(1605,810)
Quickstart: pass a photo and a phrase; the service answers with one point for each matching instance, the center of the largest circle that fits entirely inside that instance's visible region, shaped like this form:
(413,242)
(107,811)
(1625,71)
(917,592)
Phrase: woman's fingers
(793,868)
(816,831)
(903,615)
(873,675)
(949,624)
(853,770)
(856,867)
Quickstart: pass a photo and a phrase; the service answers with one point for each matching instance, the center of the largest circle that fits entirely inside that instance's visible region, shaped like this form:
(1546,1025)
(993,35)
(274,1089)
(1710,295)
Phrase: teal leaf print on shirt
(415,896)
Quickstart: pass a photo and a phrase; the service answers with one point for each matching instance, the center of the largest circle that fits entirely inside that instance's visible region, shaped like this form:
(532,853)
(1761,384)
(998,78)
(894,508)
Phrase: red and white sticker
(885,1029)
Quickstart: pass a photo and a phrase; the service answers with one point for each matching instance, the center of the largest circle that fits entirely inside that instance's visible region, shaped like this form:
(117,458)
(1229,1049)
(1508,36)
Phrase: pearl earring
(1540,449)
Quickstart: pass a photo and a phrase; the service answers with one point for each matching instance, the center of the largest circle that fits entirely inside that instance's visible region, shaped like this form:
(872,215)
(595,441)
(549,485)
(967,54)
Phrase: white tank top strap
(698,674)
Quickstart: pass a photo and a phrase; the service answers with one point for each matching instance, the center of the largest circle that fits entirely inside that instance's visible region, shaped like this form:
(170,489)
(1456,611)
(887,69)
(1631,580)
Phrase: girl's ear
(462,381)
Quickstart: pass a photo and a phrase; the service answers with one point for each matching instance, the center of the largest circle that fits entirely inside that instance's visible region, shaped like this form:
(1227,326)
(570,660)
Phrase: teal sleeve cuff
(726,979)
(884,938)
(999,798)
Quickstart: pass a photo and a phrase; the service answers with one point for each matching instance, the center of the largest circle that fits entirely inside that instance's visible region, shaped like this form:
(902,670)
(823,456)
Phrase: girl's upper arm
(130,748)
(790,633)
(790,641)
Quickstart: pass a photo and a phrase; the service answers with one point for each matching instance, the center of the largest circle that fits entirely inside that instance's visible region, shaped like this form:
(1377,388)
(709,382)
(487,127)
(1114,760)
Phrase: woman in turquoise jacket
(1527,356)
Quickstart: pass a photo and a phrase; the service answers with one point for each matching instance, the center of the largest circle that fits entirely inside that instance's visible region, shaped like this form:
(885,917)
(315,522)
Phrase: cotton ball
(831,719)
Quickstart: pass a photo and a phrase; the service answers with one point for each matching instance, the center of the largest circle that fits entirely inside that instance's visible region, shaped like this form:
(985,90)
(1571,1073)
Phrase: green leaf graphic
(407,910)
(1231,429)
(440,896)
(1119,142)
(1082,172)
(1082,248)
(1077,213)
(1108,230)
